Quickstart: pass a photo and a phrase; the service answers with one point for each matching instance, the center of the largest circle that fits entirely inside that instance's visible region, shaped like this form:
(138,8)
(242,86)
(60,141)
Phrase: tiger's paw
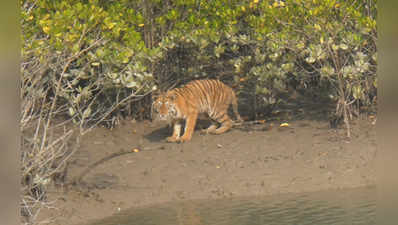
(204,131)
(184,139)
(209,130)
(172,139)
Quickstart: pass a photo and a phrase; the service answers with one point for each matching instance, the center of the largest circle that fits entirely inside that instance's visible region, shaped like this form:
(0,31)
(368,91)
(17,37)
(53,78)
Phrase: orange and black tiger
(211,97)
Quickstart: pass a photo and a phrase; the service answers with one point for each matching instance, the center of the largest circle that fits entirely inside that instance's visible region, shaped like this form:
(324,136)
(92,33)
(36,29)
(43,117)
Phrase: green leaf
(71,111)
(343,46)
(87,112)
(310,59)
(132,84)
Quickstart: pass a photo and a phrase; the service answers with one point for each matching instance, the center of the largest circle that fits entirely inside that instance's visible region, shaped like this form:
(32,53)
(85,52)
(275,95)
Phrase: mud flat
(256,160)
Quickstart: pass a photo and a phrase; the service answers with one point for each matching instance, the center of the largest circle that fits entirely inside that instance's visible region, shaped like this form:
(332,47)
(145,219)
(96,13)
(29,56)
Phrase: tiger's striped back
(208,96)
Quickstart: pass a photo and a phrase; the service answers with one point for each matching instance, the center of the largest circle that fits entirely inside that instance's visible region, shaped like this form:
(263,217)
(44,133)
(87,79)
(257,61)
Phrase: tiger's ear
(172,96)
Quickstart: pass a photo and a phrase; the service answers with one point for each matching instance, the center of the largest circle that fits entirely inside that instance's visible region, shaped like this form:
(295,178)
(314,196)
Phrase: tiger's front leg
(176,132)
(189,127)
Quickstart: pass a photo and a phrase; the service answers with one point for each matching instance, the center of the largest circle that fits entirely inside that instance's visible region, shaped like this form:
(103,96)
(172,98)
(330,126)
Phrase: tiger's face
(164,108)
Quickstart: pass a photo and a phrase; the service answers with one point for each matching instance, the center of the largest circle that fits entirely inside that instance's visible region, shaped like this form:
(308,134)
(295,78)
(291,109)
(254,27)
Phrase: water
(348,207)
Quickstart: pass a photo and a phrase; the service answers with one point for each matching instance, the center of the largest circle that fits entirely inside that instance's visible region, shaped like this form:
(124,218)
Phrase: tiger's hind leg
(225,121)
(210,129)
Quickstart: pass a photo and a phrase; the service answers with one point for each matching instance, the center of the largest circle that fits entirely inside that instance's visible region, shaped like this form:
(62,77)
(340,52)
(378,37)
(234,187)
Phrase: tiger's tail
(234,103)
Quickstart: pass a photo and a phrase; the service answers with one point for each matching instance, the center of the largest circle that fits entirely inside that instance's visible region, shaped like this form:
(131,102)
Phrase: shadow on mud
(159,134)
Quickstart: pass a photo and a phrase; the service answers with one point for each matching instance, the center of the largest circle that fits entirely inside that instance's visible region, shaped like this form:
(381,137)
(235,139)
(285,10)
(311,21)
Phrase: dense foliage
(102,52)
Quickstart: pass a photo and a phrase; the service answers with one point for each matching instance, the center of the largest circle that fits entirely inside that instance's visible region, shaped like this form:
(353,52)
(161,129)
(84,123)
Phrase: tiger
(186,103)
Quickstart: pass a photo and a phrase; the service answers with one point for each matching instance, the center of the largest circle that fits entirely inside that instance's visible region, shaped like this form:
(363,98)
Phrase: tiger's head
(164,107)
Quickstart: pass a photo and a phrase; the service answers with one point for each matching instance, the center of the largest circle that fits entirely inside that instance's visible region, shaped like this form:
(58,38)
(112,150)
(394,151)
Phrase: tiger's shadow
(163,131)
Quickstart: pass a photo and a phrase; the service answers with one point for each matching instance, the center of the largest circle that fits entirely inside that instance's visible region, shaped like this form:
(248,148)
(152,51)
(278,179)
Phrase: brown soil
(257,159)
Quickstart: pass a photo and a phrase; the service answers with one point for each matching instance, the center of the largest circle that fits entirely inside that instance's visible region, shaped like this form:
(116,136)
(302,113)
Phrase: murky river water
(348,207)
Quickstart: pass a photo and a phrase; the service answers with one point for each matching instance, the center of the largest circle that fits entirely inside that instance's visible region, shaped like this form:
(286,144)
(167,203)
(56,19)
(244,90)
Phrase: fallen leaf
(284,125)
(136,150)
